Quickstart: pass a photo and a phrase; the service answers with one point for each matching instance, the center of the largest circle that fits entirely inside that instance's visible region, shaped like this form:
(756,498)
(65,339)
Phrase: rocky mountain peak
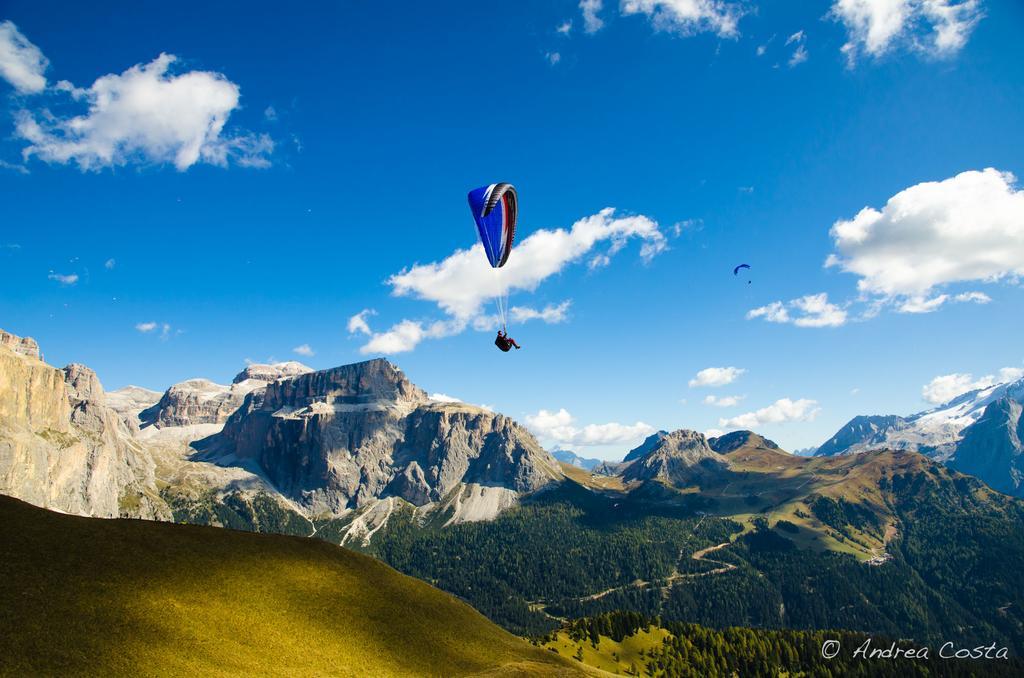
(649,443)
(372,382)
(348,436)
(191,402)
(271,372)
(736,439)
(861,433)
(677,457)
(25,346)
(83,385)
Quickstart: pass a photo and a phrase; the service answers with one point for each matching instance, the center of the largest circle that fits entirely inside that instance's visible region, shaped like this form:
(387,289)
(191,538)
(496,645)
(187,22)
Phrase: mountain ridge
(941,433)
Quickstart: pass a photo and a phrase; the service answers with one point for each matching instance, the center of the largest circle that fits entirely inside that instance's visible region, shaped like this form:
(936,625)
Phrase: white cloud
(936,27)
(444,398)
(952,21)
(560,428)
(357,324)
(406,335)
(552,313)
(553,58)
(779,412)
(799,56)
(146,114)
(565,28)
(270,113)
(20,169)
(969,228)
(464,282)
(22,64)
(714,433)
(687,17)
(944,388)
(763,49)
(69,279)
(812,310)
(165,329)
(109,264)
(797,37)
(591,22)
(920,304)
(716,376)
(723,401)
(304,350)
(973,297)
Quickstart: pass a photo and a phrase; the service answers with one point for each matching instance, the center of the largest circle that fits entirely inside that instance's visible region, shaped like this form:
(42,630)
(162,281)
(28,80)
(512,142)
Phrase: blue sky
(261,189)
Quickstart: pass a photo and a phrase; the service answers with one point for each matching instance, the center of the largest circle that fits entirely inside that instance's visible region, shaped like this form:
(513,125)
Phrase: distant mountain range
(336,450)
(573,459)
(978,432)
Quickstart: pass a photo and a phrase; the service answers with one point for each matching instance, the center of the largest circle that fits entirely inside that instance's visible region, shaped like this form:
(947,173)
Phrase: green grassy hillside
(84,596)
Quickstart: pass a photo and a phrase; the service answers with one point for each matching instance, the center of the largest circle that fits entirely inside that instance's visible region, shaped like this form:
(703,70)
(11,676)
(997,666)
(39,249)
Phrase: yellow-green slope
(625,657)
(85,596)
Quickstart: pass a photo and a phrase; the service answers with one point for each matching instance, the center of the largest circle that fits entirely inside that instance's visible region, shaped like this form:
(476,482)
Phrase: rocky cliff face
(61,447)
(25,346)
(295,443)
(269,373)
(649,443)
(993,447)
(679,458)
(201,401)
(862,433)
(344,437)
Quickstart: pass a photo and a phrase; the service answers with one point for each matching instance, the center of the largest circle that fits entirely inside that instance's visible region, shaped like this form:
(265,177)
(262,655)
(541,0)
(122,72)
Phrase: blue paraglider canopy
(736,271)
(495,210)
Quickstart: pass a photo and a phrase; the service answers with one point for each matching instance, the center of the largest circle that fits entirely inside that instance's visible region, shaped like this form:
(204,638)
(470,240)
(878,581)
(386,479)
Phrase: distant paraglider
(736,271)
(495,210)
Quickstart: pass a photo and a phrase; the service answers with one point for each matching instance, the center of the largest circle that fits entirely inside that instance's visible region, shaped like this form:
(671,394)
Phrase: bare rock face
(649,443)
(201,401)
(269,373)
(993,447)
(61,447)
(677,458)
(86,397)
(31,392)
(345,437)
(25,346)
(195,401)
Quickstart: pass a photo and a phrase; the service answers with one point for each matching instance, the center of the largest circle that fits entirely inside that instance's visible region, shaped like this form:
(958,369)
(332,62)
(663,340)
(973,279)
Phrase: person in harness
(505,342)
